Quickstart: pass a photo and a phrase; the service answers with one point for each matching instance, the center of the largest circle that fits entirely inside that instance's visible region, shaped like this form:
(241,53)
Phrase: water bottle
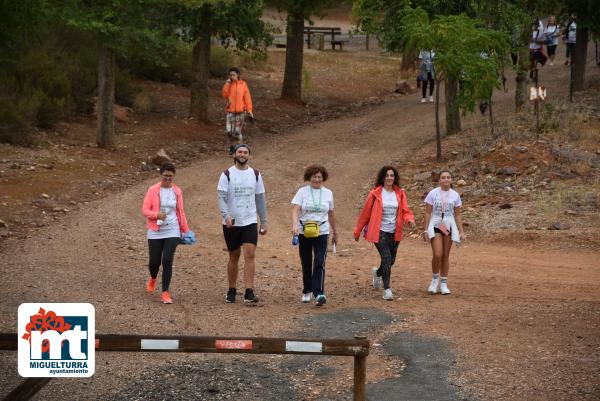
(160,222)
(295,240)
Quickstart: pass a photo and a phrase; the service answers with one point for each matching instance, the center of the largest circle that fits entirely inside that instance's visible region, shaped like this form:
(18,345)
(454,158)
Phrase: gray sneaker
(387,295)
(376,279)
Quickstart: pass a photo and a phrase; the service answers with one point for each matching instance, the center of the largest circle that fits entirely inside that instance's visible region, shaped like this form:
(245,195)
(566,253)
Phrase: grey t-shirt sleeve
(261,207)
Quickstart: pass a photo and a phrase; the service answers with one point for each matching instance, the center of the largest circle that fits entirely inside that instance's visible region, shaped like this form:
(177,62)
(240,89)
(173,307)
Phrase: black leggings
(431,85)
(162,250)
(387,248)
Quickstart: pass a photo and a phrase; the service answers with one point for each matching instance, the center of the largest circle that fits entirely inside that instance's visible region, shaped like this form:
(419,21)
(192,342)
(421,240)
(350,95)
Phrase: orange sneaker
(166,298)
(150,285)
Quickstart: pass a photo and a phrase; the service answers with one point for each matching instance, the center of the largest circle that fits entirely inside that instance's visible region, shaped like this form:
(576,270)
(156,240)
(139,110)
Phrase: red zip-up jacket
(372,214)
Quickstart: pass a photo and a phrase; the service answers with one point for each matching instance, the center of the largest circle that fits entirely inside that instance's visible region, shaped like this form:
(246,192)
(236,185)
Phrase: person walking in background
(241,193)
(384,212)
(238,104)
(443,226)
(570,37)
(312,221)
(551,33)
(166,222)
(427,74)
(536,51)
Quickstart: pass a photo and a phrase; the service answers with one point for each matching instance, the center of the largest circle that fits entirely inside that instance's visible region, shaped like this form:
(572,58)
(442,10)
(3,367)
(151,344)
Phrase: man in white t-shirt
(241,197)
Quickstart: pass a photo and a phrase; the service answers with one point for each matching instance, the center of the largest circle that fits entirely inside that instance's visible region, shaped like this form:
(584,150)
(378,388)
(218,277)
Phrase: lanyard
(315,209)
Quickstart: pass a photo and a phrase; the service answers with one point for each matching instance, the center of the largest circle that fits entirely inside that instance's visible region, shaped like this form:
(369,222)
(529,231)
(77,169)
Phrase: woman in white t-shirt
(385,211)
(551,33)
(443,226)
(166,222)
(312,222)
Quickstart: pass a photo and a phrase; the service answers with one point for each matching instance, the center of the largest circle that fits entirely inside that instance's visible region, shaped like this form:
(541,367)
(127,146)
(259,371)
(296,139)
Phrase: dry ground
(521,323)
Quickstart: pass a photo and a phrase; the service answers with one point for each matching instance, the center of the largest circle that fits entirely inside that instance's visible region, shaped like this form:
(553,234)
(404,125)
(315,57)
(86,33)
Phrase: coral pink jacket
(151,207)
(372,214)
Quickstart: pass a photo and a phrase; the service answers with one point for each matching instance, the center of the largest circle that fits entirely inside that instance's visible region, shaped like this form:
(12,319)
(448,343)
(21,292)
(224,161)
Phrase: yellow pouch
(311,229)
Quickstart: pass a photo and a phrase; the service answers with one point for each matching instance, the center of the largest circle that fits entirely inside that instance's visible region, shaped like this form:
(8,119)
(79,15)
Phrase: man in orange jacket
(239,103)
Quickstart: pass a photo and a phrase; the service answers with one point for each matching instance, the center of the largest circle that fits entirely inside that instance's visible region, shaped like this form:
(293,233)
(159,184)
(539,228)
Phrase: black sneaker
(249,296)
(230,297)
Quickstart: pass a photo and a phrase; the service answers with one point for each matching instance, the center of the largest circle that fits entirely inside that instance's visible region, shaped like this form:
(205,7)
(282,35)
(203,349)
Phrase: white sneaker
(430,99)
(376,279)
(433,287)
(423,100)
(444,290)
(387,295)
(306,297)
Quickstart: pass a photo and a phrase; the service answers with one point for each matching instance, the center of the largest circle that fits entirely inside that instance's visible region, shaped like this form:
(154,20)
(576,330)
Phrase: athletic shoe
(423,100)
(230,297)
(166,298)
(433,287)
(249,296)
(430,99)
(387,295)
(551,63)
(321,300)
(151,285)
(444,289)
(306,297)
(376,279)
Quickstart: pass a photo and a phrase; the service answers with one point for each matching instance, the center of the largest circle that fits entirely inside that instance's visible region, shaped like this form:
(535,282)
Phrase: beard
(242,162)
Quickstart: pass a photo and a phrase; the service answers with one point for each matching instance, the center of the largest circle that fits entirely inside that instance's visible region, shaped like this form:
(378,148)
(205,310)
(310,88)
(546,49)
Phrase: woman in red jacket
(384,212)
(166,222)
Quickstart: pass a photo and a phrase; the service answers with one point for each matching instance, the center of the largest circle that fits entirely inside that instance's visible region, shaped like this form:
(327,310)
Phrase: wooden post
(27,389)
(360,377)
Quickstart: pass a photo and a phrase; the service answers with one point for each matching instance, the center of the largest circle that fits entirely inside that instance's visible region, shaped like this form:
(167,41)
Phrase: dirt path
(519,325)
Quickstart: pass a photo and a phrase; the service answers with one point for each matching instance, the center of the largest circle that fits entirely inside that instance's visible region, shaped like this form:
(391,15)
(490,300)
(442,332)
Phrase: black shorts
(437,230)
(235,237)
(551,49)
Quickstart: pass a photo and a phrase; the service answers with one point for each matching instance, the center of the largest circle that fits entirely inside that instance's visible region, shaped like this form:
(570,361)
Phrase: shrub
(142,103)
(15,119)
(126,89)
(221,59)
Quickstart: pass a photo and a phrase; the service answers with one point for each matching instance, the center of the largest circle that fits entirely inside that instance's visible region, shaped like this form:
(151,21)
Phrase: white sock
(444,280)
(436,276)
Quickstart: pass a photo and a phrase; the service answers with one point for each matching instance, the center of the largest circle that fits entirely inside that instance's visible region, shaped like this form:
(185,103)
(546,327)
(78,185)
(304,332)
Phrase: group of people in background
(243,210)
(548,36)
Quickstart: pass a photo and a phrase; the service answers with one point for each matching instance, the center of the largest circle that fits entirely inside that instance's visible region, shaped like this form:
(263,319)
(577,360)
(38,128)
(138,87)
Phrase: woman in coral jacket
(385,210)
(166,222)
(239,102)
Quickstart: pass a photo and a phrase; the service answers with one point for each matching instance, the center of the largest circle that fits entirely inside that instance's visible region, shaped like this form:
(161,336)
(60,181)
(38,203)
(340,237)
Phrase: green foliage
(15,118)
(126,89)
(221,59)
(464,50)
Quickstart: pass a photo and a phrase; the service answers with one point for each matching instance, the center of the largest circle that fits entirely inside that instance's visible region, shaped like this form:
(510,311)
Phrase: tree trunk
(200,69)
(580,59)
(523,65)
(292,77)
(105,132)
(438,134)
(452,111)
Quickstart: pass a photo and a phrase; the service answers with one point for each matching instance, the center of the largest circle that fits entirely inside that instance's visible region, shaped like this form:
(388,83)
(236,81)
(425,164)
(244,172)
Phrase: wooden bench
(332,31)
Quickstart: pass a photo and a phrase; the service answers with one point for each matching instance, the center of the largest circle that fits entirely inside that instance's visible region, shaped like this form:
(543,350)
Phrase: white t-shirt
(535,37)
(443,201)
(550,34)
(170,226)
(390,211)
(315,205)
(241,188)
(572,33)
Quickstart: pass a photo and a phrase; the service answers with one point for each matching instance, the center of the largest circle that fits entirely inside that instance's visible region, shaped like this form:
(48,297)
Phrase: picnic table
(310,30)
